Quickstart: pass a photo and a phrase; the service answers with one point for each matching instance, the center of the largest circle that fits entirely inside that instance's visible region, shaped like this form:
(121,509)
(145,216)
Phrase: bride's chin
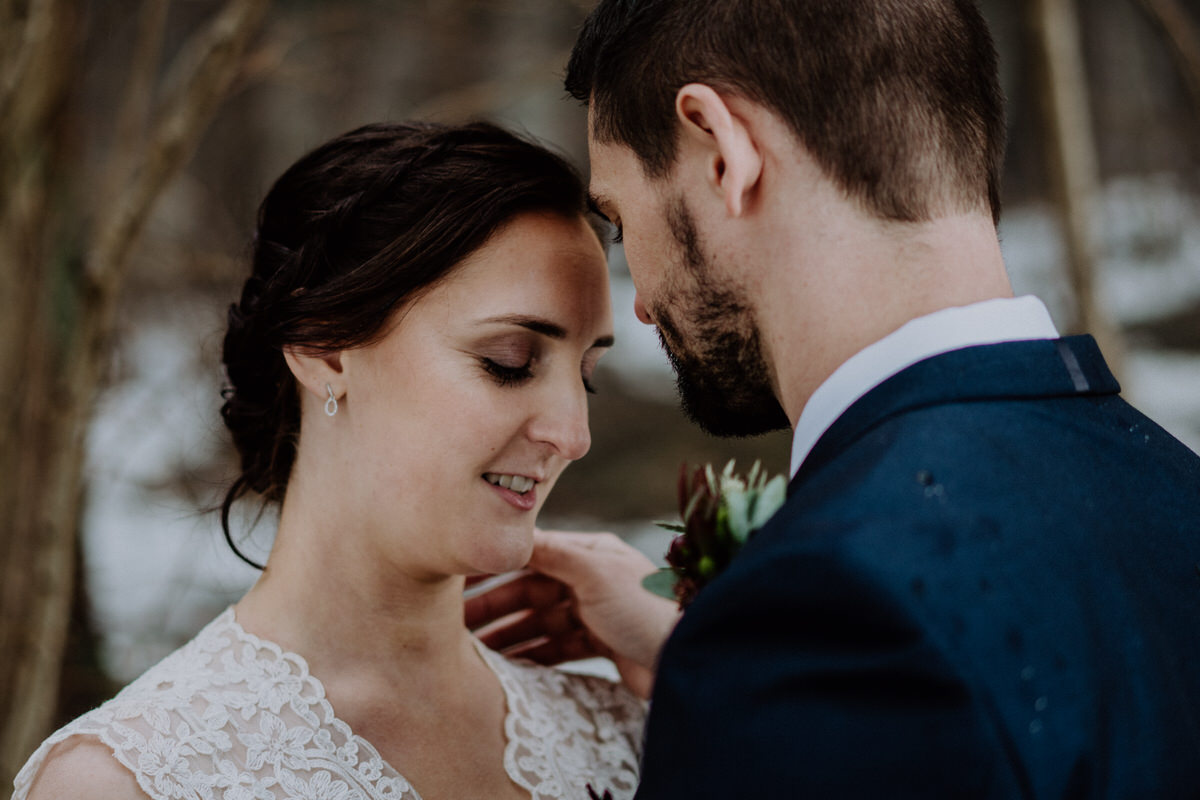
(505,553)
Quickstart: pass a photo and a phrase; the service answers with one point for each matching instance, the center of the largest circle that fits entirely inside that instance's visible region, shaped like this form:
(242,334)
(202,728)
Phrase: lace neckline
(235,716)
(496,663)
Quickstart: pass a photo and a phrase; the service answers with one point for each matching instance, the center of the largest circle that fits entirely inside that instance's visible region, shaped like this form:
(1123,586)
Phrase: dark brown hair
(347,235)
(898,100)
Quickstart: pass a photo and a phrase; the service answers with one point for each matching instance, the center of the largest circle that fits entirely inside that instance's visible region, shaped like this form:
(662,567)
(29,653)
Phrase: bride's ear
(317,373)
(732,159)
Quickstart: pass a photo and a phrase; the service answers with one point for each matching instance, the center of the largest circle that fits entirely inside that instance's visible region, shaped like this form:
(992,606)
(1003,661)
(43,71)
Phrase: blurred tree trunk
(59,303)
(1071,155)
(38,64)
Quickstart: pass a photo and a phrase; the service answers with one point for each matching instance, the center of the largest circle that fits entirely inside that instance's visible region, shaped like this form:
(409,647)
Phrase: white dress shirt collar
(987,322)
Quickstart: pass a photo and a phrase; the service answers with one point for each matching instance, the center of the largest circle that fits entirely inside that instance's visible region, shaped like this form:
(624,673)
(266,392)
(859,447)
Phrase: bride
(408,372)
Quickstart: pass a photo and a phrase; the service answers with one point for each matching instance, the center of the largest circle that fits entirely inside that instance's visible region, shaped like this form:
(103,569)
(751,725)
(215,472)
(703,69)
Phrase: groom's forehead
(614,170)
(602,193)
(605,159)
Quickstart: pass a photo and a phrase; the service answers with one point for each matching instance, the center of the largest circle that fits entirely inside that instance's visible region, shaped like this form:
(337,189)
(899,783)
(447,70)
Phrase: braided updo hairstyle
(349,234)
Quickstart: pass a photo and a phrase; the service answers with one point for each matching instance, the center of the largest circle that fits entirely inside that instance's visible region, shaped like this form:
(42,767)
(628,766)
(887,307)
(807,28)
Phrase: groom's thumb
(588,561)
(555,553)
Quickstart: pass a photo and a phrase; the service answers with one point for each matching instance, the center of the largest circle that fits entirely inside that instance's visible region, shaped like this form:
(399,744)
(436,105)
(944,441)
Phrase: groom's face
(703,317)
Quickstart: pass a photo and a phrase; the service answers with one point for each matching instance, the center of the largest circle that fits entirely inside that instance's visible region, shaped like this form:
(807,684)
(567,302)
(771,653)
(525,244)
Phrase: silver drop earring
(331,404)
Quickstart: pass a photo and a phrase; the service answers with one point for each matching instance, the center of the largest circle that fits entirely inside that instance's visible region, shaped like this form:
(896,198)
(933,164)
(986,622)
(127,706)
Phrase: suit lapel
(1044,368)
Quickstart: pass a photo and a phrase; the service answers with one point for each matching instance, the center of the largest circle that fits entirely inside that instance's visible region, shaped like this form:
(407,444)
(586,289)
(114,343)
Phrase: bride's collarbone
(455,757)
(448,743)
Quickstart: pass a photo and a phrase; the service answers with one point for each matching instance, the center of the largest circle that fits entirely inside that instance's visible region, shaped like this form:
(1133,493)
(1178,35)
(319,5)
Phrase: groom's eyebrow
(545,327)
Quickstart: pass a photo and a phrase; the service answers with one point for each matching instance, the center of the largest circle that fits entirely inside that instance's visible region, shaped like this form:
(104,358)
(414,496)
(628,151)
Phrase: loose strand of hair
(235,493)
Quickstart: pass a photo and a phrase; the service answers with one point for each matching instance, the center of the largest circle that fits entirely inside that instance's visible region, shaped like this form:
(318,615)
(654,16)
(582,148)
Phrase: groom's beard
(723,381)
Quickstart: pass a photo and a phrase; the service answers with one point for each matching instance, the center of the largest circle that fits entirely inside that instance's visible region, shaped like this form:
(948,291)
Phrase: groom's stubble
(709,332)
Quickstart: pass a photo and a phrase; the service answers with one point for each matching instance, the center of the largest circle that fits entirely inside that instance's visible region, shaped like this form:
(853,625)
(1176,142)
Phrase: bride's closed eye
(508,361)
(505,374)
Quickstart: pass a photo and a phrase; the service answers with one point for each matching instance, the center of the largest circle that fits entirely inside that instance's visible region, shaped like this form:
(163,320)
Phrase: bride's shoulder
(106,745)
(83,767)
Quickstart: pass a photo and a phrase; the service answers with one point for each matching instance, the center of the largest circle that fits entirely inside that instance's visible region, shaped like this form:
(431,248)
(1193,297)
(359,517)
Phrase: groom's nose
(639,308)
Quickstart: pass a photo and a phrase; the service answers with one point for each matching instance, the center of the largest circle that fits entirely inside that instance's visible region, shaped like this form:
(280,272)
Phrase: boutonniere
(719,513)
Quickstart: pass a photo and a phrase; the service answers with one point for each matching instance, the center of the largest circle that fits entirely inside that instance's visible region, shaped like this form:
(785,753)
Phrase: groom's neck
(833,286)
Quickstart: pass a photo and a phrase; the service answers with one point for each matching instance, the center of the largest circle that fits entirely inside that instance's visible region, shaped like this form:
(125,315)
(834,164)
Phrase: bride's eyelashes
(505,375)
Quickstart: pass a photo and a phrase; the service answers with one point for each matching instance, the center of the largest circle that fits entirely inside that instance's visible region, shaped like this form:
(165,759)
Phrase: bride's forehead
(543,235)
(568,288)
(533,259)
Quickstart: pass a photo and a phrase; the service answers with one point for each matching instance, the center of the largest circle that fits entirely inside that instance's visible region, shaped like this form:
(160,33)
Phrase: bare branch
(484,96)
(33,41)
(1181,32)
(134,116)
(10,33)
(218,53)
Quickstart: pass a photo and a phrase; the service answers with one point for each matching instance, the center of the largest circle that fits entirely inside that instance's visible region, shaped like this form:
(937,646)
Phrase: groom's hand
(582,597)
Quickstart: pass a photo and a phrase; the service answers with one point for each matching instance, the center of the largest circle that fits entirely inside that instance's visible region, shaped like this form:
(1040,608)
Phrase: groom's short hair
(897,100)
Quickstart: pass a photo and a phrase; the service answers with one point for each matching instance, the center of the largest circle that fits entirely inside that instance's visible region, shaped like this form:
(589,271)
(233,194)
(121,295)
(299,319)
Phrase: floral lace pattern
(230,716)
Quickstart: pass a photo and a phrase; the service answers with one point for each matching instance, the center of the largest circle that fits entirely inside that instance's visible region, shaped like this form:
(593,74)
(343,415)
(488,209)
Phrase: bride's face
(463,416)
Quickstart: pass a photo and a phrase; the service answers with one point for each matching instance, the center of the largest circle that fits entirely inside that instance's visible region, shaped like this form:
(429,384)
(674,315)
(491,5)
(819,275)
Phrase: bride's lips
(523,501)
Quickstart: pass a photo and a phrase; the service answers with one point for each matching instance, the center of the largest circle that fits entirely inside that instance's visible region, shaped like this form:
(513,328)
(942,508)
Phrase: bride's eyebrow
(545,327)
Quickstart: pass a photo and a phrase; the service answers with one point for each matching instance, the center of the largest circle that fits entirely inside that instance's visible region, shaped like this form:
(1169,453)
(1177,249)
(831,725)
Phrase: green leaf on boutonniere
(720,513)
(661,582)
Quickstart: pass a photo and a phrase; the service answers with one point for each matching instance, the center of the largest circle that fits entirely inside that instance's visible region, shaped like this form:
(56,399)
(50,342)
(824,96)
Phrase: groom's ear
(733,160)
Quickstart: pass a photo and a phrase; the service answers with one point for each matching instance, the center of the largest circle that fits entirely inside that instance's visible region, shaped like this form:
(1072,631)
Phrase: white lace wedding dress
(230,716)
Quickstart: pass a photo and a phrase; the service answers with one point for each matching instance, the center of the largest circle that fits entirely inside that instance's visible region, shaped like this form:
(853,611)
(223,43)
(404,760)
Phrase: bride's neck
(327,596)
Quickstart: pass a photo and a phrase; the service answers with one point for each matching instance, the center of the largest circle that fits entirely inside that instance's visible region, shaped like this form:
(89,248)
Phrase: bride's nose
(562,423)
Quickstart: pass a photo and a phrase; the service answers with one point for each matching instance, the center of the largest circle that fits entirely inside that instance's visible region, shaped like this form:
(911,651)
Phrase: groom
(984,583)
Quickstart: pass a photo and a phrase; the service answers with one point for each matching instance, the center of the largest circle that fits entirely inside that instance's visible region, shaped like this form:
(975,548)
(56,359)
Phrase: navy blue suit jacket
(985,583)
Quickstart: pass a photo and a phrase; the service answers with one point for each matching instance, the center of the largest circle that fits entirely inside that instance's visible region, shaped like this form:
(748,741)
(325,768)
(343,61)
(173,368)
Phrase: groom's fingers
(578,559)
(527,592)
(529,626)
(602,577)
(605,576)
(572,646)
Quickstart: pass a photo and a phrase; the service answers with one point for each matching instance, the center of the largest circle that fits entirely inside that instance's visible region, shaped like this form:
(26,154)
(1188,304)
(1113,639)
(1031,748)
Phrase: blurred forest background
(137,137)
